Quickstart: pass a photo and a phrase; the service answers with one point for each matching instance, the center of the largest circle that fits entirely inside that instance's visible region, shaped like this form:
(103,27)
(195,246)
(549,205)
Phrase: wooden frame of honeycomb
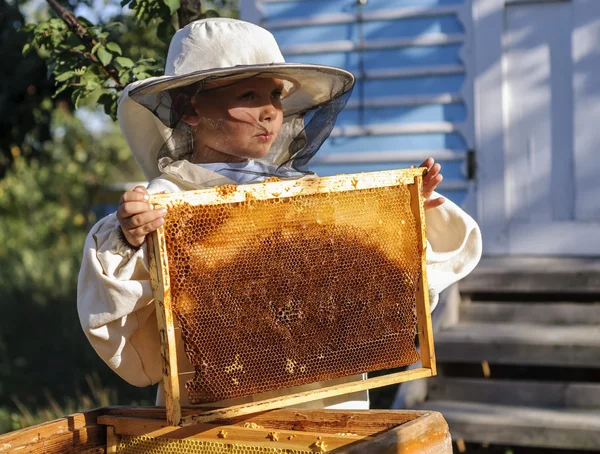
(270,195)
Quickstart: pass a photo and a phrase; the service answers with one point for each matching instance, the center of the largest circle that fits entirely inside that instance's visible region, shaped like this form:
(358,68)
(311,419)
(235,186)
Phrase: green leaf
(91,84)
(139,68)
(104,56)
(125,77)
(64,76)
(114,47)
(26,48)
(27,28)
(96,47)
(62,88)
(124,62)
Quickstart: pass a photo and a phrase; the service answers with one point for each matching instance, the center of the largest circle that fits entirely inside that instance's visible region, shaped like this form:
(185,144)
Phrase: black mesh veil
(311,102)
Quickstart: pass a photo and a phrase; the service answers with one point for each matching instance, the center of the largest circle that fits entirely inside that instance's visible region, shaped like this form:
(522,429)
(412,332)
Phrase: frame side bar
(159,272)
(424,325)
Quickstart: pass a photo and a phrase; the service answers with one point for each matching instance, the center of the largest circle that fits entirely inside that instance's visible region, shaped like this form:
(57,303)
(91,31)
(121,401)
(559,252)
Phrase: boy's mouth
(265,136)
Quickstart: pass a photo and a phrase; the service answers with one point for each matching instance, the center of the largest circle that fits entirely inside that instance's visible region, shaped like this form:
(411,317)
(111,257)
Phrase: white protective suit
(116,307)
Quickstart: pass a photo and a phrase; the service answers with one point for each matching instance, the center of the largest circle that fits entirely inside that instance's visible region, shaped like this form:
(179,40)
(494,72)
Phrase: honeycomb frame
(408,180)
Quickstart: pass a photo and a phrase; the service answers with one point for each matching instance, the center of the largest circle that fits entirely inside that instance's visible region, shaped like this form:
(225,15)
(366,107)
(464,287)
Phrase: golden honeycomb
(149,445)
(278,292)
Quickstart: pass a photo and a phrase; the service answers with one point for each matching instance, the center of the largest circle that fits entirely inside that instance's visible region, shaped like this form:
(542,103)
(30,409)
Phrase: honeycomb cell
(281,292)
(149,445)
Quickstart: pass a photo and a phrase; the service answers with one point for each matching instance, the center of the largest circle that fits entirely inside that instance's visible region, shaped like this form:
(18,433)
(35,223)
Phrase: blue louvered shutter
(409,102)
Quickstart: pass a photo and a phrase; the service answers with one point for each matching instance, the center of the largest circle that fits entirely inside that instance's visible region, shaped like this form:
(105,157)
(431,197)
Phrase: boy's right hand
(137,217)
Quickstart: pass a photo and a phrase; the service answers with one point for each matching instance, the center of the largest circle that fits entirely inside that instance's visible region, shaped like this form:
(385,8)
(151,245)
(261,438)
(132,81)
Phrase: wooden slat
(416,71)
(412,157)
(307,396)
(425,329)
(363,422)
(516,392)
(404,101)
(536,313)
(534,275)
(442,127)
(521,426)
(349,18)
(112,440)
(426,435)
(430,39)
(90,438)
(520,344)
(159,273)
(285,189)
(71,434)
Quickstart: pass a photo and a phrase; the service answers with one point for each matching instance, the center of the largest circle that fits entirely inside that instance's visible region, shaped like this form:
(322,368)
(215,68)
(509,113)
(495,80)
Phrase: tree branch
(76,27)
(188,10)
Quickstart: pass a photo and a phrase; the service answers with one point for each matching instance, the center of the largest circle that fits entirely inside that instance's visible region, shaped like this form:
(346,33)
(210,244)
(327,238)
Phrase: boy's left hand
(430,182)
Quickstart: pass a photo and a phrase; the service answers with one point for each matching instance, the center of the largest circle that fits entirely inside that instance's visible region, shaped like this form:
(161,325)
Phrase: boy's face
(237,121)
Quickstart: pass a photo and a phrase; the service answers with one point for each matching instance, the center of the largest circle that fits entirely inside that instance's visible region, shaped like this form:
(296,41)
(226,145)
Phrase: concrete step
(516,392)
(521,426)
(537,275)
(526,344)
(525,313)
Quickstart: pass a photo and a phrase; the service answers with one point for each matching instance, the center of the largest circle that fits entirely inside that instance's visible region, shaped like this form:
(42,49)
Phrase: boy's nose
(268,113)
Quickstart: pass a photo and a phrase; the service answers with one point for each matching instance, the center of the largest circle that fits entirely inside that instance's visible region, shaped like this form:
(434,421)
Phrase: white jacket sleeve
(116,306)
(115,301)
(454,247)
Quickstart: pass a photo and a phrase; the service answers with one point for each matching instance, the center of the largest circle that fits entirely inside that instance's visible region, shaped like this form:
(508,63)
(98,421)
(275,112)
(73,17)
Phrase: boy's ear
(185,108)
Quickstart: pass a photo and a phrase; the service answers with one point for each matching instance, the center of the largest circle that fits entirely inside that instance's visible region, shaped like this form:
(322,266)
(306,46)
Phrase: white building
(504,93)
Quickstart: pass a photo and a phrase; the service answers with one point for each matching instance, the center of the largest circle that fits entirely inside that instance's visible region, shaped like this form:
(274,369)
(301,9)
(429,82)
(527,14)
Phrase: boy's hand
(430,182)
(137,217)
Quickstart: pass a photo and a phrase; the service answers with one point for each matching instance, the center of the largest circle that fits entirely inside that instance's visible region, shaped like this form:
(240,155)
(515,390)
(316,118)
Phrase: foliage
(98,396)
(24,86)
(54,170)
(42,226)
(45,213)
(87,60)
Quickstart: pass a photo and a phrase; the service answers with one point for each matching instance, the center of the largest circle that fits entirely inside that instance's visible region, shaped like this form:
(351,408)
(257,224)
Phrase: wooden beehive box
(284,283)
(143,431)
(136,430)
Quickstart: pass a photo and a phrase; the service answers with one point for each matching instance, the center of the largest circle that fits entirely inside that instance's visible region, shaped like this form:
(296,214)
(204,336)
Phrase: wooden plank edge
(40,433)
(159,273)
(290,188)
(424,324)
(307,396)
(428,434)
(286,419)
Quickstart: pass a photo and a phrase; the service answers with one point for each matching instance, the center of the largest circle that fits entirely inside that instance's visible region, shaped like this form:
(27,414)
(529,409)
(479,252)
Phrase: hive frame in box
(412,178)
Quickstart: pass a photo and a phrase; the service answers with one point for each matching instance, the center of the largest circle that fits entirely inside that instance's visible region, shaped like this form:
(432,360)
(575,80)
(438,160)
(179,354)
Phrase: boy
(228,111)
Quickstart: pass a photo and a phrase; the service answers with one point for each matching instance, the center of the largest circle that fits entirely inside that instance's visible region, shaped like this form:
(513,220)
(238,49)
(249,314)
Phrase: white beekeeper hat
(218,48)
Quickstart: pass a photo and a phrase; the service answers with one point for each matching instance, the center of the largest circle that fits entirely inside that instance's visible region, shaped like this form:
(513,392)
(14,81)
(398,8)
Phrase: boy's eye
(277,94)
(248,96)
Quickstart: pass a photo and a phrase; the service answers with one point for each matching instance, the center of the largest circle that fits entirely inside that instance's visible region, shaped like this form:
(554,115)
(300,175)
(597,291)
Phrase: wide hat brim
(311,84)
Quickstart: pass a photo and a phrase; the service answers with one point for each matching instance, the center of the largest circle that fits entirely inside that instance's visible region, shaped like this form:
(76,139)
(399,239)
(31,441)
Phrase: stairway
(519,362)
